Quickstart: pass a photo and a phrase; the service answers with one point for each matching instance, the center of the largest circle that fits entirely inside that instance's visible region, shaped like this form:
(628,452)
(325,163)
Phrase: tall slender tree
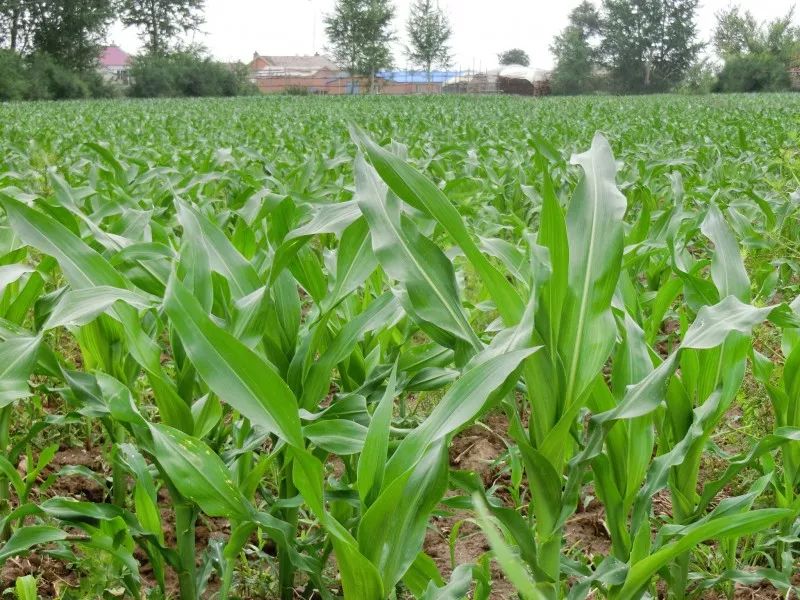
(649,44)
(360,33)
(160,21)
(428,31)
(575,51)
(15,21)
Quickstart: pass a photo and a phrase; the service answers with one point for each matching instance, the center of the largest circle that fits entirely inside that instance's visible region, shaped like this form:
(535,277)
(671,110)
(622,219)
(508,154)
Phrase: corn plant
(280,324)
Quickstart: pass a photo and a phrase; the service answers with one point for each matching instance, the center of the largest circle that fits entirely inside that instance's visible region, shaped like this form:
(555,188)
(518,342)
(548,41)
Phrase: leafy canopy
(359,32)
(160,21)
(648,45)
(515,56)
(428,31)
(575,51)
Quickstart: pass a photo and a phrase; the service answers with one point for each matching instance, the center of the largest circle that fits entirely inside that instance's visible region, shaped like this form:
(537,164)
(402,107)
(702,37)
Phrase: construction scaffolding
(394,83)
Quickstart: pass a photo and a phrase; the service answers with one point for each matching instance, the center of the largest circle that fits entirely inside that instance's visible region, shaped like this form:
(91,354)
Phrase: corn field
(392,348)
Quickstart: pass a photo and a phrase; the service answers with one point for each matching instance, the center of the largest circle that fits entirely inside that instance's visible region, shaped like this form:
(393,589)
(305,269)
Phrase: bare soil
(54,575)
(477,449)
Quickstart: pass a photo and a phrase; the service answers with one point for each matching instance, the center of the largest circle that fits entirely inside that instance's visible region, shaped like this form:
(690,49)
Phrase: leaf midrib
(471,338)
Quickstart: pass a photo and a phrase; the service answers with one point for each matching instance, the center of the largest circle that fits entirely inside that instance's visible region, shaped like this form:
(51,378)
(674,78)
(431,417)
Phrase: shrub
(13,79)
(50,81)
(187,73)
(41,77)
(761,72)
(700,78)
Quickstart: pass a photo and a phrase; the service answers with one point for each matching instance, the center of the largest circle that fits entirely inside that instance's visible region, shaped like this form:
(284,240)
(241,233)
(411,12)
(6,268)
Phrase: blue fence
(420,76)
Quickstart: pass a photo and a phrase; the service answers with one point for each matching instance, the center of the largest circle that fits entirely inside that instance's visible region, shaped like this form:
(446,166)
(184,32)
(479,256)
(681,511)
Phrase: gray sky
(234,29)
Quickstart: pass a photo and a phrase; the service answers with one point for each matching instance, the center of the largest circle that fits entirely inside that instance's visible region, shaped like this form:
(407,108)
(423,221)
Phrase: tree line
(360,34)
(49,49)
(641,46)
(624,46)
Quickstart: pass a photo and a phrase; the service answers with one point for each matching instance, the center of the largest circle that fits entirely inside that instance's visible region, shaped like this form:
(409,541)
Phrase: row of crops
(274,319)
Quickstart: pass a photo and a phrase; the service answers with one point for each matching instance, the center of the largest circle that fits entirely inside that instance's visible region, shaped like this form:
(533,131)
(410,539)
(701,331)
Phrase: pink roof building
(114,58)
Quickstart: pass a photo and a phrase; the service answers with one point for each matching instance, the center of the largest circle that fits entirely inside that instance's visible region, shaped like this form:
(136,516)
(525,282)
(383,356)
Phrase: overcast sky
(234,29)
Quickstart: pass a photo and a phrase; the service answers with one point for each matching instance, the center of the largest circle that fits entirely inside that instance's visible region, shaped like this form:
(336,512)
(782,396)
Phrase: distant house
(115,64)
(290,66)
(317,74)
(277,74)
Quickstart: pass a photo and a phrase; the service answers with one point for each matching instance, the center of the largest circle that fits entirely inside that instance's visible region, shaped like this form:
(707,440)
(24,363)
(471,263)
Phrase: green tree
(576,53)
(160,21)
(648,45)
(738,32)
(700,78)
(515,56)
(359,32)
(14,24)
(70,31)
(757,54)
(753,72)
(429,31)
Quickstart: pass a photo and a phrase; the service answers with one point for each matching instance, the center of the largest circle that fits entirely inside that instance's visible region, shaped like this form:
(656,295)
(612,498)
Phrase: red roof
(114,56)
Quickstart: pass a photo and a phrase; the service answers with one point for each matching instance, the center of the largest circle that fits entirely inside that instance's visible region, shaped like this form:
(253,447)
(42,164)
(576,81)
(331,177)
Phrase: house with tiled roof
(114,64)
(290,66)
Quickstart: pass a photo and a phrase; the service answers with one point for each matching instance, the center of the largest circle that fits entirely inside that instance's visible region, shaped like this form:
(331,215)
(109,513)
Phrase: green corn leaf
(328,218)
(391,534)
(235,373)
(79,307)
(145,499)
(713,323)
(199,474)
(422,575)
(779,438)
(463,402)
(355,261)
(339,436)
(223,256)
(25,588)
(120,403)
(510,563)
(727,267)
(710,328)
(206,412)
(82,266)
(85,268)
(25,538)
(360,578)
(372,462)
(11,273)
(382,311)
(414,260)
(553,236)
(78,511)
(595,233)
(18,356)
(734,525)
(415,189)
(512,257)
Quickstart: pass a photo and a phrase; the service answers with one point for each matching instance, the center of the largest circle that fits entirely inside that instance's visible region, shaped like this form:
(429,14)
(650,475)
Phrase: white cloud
(234,29)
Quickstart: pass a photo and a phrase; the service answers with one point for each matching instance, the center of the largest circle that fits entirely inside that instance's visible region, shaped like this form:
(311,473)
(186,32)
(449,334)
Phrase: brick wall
(334,84)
